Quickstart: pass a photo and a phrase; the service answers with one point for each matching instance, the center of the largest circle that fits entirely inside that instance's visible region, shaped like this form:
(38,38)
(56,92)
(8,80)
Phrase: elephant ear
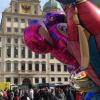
(32,38)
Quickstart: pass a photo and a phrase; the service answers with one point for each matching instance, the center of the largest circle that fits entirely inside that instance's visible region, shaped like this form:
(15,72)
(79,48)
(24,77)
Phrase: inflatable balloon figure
(72,37)
(83,20)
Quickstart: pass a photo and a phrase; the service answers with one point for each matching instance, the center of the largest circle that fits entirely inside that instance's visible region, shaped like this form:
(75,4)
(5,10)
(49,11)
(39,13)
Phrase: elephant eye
(52,18)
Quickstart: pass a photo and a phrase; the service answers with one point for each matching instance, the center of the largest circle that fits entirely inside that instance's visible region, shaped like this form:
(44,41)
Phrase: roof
(52,4)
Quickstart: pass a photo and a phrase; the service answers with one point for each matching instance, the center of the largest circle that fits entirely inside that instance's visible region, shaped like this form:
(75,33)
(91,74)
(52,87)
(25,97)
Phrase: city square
(40,60)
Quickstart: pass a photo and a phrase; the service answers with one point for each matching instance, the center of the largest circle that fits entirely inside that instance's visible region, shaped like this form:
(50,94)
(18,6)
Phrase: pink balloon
(34,40)
(60,51)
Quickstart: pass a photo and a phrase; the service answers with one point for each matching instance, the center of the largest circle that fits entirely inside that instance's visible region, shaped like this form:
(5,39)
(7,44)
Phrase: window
(52,67)
(30,66)
(8,40)
(59,79)
(65,79)
(0,51)
(36,80)
(23,52)
(0,39)
(16,40)
(23,66)
(36,67)
(15,51)
(36,55)
(8,50)
(16,10)
(35,12)
(9,19)
(65,68)
(15,19)
(15,80)
(43,67)
(58,67)
(43,80)
(8,79)
(52,79)
(8,66)
(22,30)
(22,41)
(15,29)
(51,57)
(15,66)
(43,56)
(29,20)
(0,66)
(29,53)
(23,20)
(8,29)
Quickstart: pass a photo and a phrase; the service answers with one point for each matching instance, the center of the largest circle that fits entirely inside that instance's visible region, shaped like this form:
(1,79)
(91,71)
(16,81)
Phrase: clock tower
(30,7)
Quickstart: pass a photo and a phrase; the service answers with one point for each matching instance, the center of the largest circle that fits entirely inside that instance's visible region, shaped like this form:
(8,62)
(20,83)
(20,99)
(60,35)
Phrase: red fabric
(59,50)
(17,98)
(89,16)
(75,49)
(78,96)
(72,27)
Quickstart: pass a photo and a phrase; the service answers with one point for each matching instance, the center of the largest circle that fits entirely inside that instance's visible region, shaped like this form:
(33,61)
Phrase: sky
(5,4)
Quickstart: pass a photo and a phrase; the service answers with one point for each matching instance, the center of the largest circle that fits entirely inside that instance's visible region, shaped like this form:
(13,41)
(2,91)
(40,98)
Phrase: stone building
(17,63)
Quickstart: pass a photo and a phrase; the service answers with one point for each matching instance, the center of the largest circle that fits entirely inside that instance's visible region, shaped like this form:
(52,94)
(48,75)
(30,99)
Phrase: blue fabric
(89,95)
(94,55)
(96,97)
(54,36)
(32,22)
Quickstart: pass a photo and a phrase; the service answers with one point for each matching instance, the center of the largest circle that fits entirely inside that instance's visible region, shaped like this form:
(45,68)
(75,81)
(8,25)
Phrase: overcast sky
(5,4)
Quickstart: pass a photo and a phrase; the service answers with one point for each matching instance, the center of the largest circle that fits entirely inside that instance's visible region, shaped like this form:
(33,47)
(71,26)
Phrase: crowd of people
(57,93)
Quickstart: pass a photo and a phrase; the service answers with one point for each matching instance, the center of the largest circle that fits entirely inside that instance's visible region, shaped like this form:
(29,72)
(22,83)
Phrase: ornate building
(17,63)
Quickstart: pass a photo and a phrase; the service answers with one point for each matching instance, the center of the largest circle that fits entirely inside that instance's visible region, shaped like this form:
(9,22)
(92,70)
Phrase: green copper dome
(52,4)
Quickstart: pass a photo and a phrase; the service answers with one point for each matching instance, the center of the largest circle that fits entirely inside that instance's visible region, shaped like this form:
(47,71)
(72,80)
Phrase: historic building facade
(17,63)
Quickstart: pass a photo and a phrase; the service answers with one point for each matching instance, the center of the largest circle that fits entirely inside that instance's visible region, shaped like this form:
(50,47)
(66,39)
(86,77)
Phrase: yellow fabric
(84,48)
(83,81)
(87,34)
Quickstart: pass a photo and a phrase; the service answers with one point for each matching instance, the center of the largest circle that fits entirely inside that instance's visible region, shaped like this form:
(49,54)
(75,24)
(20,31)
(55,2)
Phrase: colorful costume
(89,18)
(76,43)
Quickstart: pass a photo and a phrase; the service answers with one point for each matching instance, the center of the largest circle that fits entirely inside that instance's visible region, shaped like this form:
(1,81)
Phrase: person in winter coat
(37,95)
(31,94)
(25,97)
